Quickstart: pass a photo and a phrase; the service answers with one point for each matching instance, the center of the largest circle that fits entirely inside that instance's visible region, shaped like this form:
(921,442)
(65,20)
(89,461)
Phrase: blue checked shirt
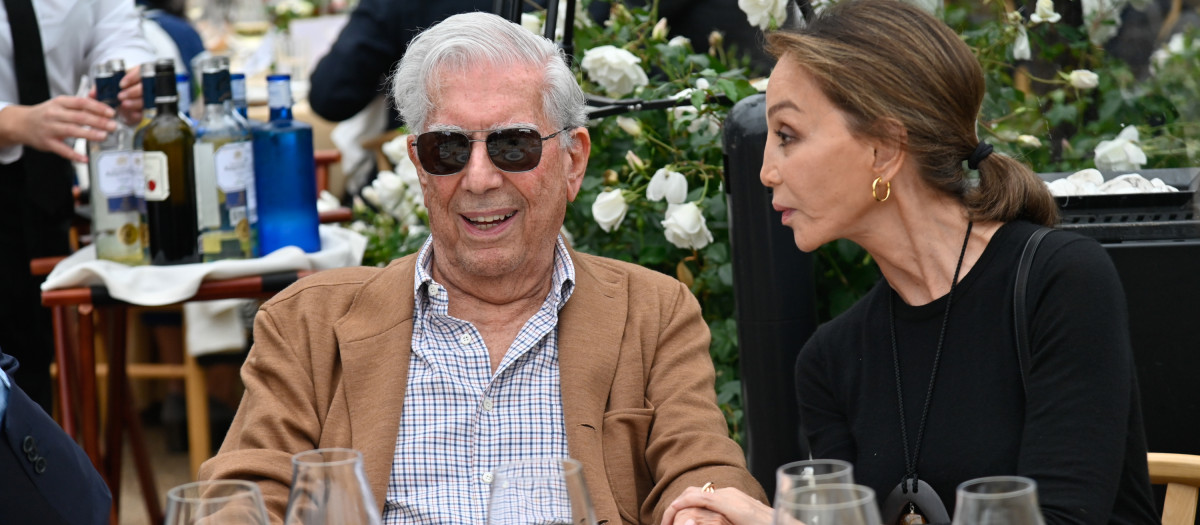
(460,420)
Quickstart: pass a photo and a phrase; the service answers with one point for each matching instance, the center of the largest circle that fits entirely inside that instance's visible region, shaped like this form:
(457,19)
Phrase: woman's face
(819,172)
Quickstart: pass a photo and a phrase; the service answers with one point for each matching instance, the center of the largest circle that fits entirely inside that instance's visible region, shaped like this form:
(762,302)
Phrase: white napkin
(159,285)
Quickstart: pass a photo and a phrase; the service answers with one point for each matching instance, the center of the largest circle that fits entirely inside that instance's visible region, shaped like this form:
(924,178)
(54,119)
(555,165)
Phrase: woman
(871,113)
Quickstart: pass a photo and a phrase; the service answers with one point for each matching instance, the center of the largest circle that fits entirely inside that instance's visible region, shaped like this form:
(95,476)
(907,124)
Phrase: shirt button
(487,404)
(434,289)
(465,339)
(487,477)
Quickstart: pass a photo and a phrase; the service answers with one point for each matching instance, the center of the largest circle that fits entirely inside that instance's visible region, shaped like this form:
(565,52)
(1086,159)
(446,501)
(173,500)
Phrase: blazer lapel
(375,342)
(590,329)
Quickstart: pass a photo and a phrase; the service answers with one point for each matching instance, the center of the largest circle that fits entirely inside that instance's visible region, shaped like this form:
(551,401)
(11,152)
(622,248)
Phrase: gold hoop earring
(887,189)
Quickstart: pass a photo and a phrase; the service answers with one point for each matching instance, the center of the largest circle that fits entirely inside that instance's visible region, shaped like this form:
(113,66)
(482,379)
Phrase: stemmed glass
(220,501)
(540,491)
(998,500)
(330,487)
(827,504)
(812,472)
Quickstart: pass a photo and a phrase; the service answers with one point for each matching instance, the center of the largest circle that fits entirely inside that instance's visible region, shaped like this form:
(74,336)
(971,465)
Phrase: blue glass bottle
(285,175)
(183,86)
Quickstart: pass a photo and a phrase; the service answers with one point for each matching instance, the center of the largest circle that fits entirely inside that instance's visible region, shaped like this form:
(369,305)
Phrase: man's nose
(480,175)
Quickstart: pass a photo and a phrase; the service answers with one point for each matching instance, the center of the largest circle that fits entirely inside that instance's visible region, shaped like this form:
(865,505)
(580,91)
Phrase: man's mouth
(488,222)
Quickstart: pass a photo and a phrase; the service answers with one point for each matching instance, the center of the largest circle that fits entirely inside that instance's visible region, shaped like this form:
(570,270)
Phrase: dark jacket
(44,476)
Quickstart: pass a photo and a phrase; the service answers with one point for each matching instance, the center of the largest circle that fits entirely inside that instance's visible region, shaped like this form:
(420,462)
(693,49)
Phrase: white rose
(702,83)
(396,149)
(1045,13)
(761,84)
(1083,79)
(669,184)
(389,191)
(609,210)
(1029,141)
(630,125)
(327,202)
(761,12)
(706,124)
(1021,49)
(305,9)
(532,23)
(660,30)
(685,226)
(615,69)
(1121,153)
(634,161)
(929,6)
(679,41)
(1102,18)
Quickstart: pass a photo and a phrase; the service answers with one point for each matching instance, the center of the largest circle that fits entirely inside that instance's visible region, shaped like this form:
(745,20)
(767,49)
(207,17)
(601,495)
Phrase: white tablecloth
(159,285)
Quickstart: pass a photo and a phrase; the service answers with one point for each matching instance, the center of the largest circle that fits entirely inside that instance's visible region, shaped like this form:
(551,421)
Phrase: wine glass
(998,500)
(330,487)
(812,472)
(540,491)
(827,504)
(219,501)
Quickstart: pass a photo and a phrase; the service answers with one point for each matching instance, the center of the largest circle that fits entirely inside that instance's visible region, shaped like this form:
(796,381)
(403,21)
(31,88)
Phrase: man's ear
(891,150)
(575,161)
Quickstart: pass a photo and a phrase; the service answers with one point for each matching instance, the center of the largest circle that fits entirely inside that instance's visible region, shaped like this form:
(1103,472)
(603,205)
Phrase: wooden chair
(1181,474)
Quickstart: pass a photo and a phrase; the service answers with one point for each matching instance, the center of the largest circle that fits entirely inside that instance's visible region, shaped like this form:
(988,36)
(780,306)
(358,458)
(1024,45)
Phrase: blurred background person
(53,45)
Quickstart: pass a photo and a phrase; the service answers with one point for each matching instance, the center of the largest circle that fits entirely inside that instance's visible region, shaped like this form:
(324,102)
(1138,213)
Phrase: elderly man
(496,342)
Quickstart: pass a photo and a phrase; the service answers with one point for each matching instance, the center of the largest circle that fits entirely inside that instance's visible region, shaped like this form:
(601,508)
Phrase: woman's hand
(735,506)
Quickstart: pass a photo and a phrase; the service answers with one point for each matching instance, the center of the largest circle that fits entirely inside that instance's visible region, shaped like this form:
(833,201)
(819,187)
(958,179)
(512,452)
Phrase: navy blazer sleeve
(359,63)
(44,476)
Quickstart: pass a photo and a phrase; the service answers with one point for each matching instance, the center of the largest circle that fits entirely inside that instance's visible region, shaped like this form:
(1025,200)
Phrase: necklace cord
(910,460)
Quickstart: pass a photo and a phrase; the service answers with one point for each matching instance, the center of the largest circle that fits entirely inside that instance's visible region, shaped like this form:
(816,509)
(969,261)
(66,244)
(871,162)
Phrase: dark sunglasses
(511,149)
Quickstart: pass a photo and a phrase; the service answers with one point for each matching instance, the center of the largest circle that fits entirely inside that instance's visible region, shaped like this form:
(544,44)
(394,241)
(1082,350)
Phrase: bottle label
(158,185)
(235,166)
(279,95)
(208,210)
(119,175)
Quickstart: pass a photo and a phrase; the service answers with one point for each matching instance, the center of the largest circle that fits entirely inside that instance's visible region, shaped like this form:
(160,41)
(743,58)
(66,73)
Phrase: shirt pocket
(626,432)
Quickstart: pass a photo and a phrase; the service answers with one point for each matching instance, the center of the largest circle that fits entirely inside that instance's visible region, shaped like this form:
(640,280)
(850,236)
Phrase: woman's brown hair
(884,59)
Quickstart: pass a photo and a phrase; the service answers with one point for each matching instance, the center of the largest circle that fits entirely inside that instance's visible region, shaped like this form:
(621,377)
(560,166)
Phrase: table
(76,383)
(79,398)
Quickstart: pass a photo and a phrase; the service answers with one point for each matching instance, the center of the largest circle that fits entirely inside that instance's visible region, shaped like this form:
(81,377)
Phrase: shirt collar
(562,279)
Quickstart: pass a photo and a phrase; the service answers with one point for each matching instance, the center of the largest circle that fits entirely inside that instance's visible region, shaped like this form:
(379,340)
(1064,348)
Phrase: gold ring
(708,487)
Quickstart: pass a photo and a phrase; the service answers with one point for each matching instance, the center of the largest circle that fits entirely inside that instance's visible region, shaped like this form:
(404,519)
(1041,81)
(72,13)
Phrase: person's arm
(48,125)
(353,73)
(118,34)
(1079,385)
(276,418)
(44,476)
(822,416)
(689,444)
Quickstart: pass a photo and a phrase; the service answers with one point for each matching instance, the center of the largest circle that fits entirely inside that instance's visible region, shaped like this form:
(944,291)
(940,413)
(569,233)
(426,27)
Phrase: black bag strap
(1020,317)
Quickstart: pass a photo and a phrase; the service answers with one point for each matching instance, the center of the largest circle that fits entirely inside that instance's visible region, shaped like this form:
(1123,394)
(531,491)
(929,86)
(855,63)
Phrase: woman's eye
(785,138)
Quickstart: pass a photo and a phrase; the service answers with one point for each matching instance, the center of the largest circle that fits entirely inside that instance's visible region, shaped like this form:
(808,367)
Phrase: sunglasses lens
(515,150)
(443,152)
(447,152)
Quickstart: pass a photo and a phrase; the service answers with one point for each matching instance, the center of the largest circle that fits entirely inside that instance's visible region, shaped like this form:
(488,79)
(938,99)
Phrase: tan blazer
(330,365)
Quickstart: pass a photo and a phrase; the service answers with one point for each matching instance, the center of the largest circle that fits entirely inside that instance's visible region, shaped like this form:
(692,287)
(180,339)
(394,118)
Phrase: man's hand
(48,125)
(131,96)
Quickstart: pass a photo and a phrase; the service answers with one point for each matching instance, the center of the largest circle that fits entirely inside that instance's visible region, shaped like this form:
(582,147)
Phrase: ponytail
(1008,190)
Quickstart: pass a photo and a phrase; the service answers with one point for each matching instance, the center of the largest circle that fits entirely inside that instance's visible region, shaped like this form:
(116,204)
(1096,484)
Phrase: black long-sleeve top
(1076,430)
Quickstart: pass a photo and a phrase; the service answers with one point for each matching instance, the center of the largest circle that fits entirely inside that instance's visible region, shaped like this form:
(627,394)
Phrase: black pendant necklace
(913,501)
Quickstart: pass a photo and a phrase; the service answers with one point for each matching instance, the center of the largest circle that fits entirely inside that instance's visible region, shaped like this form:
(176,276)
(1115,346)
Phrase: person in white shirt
(39,113)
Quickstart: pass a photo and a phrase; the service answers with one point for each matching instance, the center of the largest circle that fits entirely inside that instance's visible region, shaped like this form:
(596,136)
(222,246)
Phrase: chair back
(1181,474)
